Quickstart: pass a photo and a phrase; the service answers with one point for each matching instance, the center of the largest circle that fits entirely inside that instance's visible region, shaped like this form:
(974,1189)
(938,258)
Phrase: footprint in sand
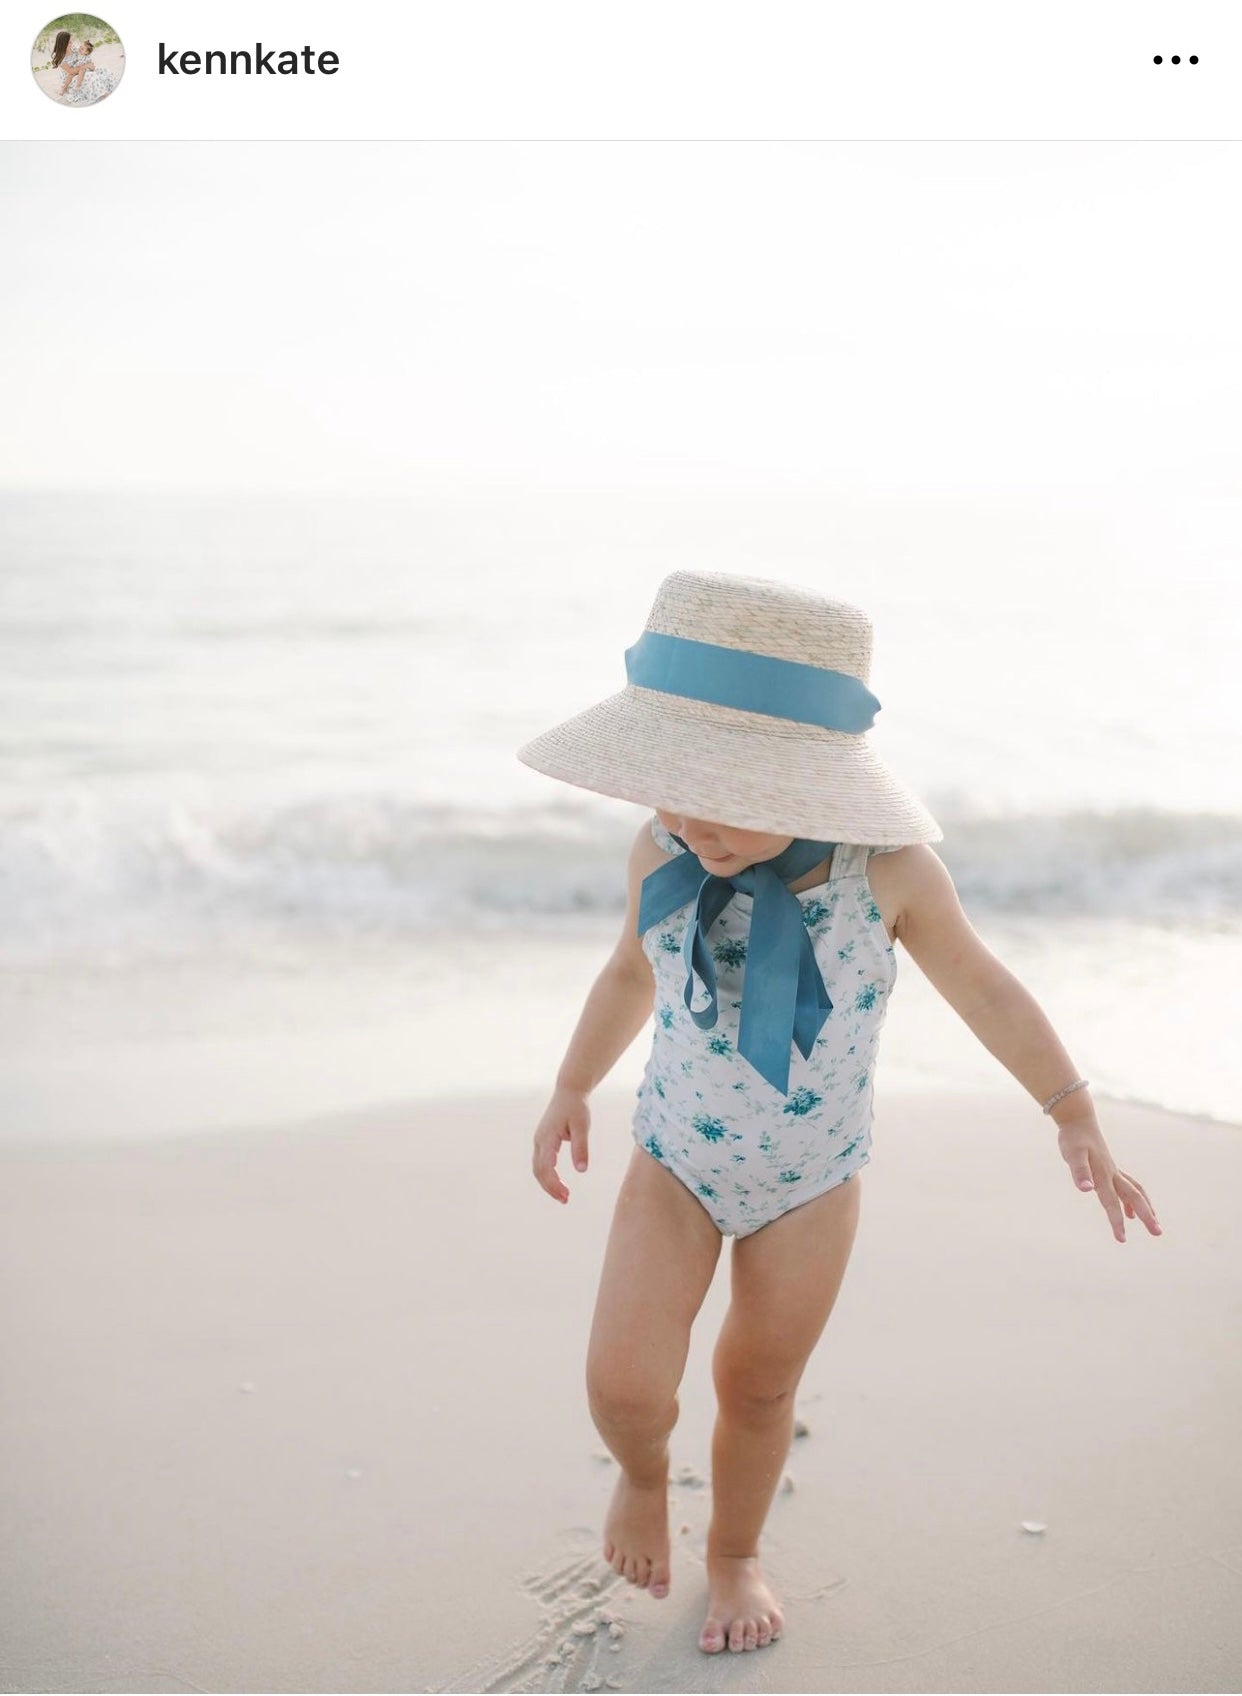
(576,1629)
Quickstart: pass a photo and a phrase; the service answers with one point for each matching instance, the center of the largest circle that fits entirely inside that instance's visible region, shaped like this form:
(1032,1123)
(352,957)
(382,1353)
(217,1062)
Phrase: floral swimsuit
(748,1153)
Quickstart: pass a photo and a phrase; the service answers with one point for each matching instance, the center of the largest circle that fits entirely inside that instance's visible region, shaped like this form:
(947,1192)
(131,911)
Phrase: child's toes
(659,1579)
(642,1572)
(712,1636)
(737,1635)
(765,1632)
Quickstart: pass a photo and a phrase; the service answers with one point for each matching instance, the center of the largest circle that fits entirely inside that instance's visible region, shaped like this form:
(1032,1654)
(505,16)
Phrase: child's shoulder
(901,865)
(910,879)
(663,839)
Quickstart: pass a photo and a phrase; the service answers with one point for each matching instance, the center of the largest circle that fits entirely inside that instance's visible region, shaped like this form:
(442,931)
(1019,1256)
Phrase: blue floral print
(748,1152)
(802,1100)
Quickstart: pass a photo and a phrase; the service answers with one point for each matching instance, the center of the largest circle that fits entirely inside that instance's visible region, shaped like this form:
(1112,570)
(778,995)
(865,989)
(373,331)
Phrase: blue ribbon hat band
(754,683)
(784,999)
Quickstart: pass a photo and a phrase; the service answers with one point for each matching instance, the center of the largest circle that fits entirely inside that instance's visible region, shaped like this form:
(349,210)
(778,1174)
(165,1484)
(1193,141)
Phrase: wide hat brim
(733,768)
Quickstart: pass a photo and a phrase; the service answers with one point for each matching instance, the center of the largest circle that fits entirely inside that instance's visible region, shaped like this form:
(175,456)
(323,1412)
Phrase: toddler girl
(783,862)
(75,63)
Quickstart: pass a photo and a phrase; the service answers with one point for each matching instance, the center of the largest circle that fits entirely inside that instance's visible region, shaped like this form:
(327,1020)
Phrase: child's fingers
(1123,1197)
(1139,1205)
(1080,1170)
(1086,1177)
(566,1120)
(543,1165)
(1111,1203)
(1134,1184)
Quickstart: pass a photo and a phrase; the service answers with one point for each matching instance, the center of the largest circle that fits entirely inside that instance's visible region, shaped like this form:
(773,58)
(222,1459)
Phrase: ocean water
(265,847)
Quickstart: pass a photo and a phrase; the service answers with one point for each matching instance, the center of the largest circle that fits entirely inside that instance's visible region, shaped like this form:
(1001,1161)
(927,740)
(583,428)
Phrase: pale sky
(390,317)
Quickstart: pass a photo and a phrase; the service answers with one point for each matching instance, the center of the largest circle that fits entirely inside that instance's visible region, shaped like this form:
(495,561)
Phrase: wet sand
(301,1408)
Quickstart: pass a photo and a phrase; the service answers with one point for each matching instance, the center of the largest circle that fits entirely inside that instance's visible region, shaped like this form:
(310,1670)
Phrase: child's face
(723,849)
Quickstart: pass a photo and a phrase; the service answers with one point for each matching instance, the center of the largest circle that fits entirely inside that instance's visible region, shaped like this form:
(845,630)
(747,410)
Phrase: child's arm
(618,1006)
(1010,1023)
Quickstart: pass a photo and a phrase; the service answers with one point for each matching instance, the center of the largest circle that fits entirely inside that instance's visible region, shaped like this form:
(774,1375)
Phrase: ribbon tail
(770,993)
(710,903)
(814,1003)
(699,963)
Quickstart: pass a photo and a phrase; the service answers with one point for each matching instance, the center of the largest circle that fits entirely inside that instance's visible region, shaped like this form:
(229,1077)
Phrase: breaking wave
(173,877)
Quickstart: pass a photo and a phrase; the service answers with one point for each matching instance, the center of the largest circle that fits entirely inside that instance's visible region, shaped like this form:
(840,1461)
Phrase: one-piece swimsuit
(746,1151)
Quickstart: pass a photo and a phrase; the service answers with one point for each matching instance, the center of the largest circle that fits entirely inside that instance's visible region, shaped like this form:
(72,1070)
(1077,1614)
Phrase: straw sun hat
(747,705)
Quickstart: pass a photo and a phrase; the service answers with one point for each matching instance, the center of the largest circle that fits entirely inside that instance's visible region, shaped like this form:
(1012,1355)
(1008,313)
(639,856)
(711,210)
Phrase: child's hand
(1086,1154)
(567,1118)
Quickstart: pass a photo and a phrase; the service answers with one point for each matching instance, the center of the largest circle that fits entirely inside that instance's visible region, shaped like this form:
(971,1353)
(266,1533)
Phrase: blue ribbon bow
(784,1000)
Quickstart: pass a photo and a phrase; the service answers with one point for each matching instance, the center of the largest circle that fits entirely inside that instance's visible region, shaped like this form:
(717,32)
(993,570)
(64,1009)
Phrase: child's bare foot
(742,1613)
(636,1534)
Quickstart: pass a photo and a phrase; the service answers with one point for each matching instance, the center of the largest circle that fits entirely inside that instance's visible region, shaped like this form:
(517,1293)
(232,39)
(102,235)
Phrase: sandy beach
(301,1408)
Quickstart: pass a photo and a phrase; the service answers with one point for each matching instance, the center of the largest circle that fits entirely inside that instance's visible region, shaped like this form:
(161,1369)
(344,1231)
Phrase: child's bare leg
(662,1251)
(785,1280)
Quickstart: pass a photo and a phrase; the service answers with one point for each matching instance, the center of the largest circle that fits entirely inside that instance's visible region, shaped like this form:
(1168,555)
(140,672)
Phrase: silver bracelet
(1079,1083)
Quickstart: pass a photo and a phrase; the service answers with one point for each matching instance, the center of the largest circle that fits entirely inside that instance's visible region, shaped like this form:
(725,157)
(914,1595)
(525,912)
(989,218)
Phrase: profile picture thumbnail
(77,59)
